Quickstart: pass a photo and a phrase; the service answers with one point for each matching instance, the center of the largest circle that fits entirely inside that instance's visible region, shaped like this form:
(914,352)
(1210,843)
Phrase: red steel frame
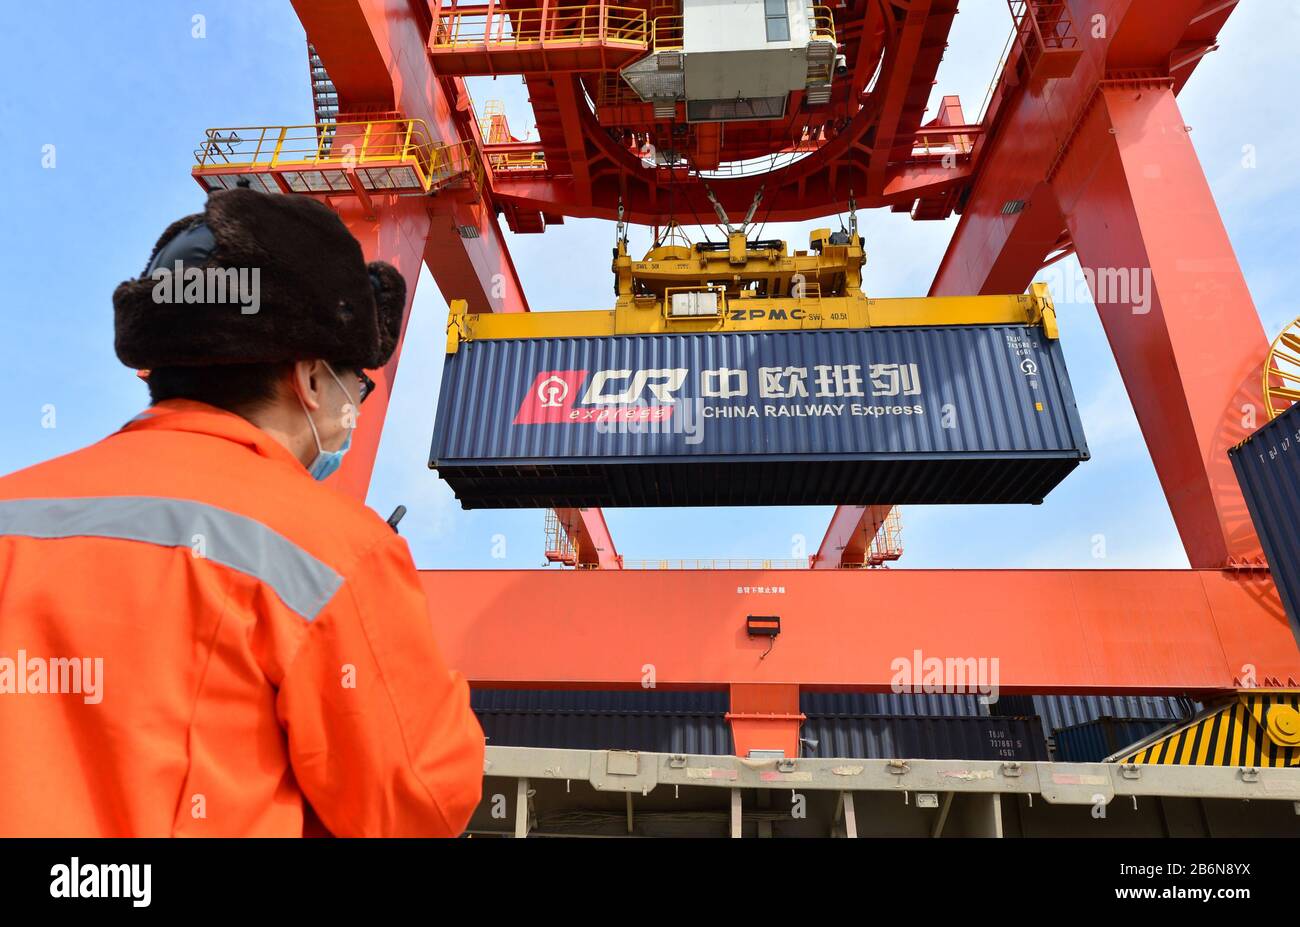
(379,64)
(1100,155)
(848,538)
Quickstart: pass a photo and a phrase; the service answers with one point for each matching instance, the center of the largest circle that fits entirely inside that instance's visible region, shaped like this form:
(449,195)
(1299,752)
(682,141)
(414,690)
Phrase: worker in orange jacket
(197,637)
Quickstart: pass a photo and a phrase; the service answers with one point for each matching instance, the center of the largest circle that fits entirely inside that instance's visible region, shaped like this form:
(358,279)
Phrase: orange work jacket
(197,638)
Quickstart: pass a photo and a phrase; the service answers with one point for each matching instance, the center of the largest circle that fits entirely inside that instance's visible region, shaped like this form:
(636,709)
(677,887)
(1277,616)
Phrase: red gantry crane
(1080,148)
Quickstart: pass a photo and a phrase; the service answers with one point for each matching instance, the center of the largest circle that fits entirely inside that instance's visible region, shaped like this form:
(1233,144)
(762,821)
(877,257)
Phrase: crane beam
(848,537)
(1062,631)
(590,537)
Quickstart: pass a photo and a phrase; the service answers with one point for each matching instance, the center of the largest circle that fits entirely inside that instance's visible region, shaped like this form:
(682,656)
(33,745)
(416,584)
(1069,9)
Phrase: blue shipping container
(1062,711)
(923,738)
(1094,741)
(1268,468)
(954,414)
(838,724)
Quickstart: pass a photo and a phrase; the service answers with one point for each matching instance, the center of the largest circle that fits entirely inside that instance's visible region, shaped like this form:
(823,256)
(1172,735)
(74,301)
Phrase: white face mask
(327,462)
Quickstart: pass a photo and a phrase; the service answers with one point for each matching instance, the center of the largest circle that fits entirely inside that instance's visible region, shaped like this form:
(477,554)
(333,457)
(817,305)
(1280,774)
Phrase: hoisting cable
(671,213)
(696,215)
(771,165)
(766,215)
(725,224)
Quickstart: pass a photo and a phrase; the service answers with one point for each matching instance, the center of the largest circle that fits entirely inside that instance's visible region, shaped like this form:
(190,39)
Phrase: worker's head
(263,305)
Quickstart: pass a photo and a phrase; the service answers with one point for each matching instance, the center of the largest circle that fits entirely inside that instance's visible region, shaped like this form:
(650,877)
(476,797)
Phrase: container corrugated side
(651,721)
(900,415)
(718,702)
(1268,469)
(902,704)
(1062,711)
(1094,741)
(840,724)
(920,738)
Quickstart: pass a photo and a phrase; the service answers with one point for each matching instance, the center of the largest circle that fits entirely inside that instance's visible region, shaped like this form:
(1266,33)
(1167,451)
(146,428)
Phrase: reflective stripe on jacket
(262,644)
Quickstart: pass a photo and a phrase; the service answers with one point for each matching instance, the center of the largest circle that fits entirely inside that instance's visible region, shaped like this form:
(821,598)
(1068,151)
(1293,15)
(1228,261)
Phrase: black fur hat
(265,278)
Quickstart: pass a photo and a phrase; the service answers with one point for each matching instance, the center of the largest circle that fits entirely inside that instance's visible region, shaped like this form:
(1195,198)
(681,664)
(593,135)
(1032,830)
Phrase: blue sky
(124,99)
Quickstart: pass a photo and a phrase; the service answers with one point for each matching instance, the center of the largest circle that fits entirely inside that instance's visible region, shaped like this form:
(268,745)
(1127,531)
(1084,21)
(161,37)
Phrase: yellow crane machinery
(745,285)
(1282,371)
(1257,728)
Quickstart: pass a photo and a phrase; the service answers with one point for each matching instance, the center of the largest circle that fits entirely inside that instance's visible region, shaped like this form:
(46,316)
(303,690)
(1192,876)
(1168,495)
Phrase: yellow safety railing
(1282,372)
(612,90)
(1044,24)
(496,131)
(451,162)
(669,33)
(493,129)
(935,144)
(559,549)
(888,542)
(317,144)
(1051,26)
(518,161)
(626,26)
(341,146)
(821,25)
(621,25)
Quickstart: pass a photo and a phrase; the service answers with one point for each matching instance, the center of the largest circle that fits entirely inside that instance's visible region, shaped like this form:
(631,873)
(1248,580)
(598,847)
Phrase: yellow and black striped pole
(1258,728)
